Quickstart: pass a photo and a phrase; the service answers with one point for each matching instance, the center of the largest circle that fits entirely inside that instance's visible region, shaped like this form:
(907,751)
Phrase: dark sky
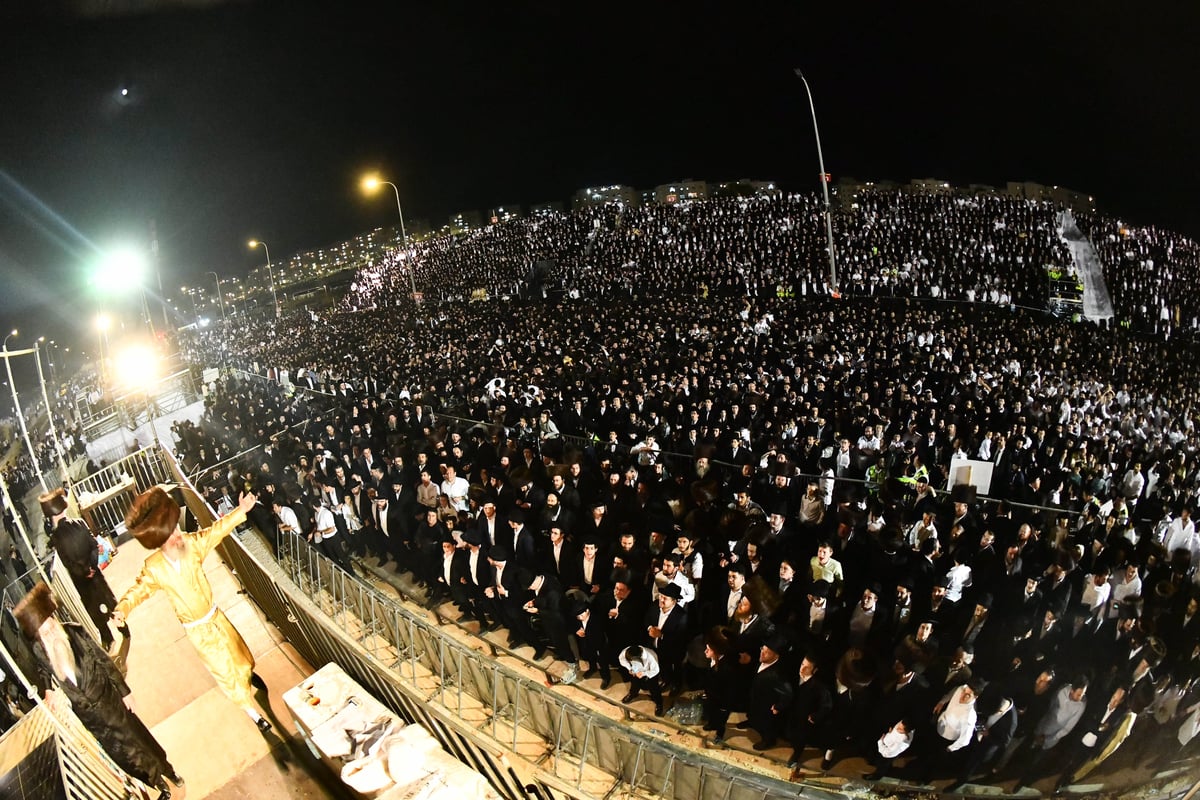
(255,119)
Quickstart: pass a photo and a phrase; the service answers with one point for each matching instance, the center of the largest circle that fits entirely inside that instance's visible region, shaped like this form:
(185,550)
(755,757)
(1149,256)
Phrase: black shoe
(590,672)
(629,698)
(826,764)
(605,682)
(257,682)
(263,725)
(539,654)
(658,709)
(744,725)
(708,726)
(765,745)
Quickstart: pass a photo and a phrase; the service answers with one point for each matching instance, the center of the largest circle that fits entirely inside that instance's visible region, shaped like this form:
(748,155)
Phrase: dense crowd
(743,495)
(988,248)
(1151,274)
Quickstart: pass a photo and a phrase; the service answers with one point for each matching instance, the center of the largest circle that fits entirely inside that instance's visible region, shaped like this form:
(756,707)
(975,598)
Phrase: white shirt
(1094,597)
(893,743)
(457,491)
(288,519)
(326,527)
(956,723)
(1179,534)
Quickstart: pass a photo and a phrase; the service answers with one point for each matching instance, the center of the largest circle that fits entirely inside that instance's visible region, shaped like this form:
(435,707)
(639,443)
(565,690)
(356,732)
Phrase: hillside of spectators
(1151,274)
(993,249)
(743,477)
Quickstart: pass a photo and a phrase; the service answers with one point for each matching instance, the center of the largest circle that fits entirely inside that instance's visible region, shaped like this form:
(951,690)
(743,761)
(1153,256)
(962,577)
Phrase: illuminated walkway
(1097,304)
(212,743)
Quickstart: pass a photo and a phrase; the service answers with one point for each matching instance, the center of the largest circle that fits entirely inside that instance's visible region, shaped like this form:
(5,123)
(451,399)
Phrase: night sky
(255,119)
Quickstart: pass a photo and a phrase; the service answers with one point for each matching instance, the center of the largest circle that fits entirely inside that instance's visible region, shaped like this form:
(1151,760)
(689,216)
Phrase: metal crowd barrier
(529,740)
(51,755)
(105,496)
(526,738)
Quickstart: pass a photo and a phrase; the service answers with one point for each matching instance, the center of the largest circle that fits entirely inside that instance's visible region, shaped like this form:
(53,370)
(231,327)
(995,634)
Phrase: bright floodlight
(253,243)
(120,268)
(103,322)
(371,182)
(135,367)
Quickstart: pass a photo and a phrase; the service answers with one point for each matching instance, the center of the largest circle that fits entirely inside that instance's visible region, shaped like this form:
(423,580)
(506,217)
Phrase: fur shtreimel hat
(153,518)
(53,503)
(34,609)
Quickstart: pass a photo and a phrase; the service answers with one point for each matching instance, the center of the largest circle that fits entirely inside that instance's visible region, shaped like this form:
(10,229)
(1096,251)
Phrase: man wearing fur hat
(177,568)
(76,548)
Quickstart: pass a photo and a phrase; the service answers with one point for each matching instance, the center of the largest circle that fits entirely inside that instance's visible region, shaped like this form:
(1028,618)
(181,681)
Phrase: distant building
(686,189)
(465,221)
(1058,194)
(744,187)
(930,186)
(504,213)
(543,209)
(647,196)
(601,195)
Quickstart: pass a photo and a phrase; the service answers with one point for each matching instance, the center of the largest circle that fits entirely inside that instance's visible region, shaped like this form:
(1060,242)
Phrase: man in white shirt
(1181,535)
(456,489)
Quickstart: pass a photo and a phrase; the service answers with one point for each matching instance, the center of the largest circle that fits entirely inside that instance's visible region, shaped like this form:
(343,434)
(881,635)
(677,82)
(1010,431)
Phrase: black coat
(98,700)
(77,550)
(770,689)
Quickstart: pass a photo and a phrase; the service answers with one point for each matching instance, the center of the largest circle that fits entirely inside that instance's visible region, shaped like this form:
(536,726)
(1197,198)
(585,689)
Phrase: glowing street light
(121,268)
(135,369)
(256,243)
(370,185)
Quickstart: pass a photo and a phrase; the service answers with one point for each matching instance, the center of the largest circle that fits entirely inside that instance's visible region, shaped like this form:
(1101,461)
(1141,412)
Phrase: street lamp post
(372,183)
(833,284)
(37,467)
(220,299)
(270,272)
(62,461)
(191,293)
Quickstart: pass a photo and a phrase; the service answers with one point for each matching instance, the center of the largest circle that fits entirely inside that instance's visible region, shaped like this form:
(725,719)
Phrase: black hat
(671,590)
(516,515)
(498,553)
(777,643)
(472,536)
(819,588)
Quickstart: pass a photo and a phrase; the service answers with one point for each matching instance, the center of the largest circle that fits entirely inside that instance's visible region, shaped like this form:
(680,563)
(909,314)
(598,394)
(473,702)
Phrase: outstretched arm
(206,540)
(143,589)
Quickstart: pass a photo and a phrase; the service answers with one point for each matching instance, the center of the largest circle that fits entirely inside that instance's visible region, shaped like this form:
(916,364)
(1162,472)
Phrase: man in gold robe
(177,569)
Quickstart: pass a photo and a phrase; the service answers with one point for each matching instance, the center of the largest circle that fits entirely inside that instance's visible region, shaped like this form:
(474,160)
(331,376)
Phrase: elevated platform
(213,745)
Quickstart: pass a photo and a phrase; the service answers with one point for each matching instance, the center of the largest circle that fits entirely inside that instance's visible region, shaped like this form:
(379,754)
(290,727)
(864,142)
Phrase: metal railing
(483,705)
(467,696)
(105,496)
(51,755)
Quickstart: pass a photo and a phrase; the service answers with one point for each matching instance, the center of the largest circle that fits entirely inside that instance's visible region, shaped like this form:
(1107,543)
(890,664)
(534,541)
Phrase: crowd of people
(695,470)
(988,248)
(564,471)
(1151,274)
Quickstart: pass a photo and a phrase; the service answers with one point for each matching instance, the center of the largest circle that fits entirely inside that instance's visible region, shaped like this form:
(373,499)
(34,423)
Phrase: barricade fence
(477,705)
(528,739)
(50,754)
